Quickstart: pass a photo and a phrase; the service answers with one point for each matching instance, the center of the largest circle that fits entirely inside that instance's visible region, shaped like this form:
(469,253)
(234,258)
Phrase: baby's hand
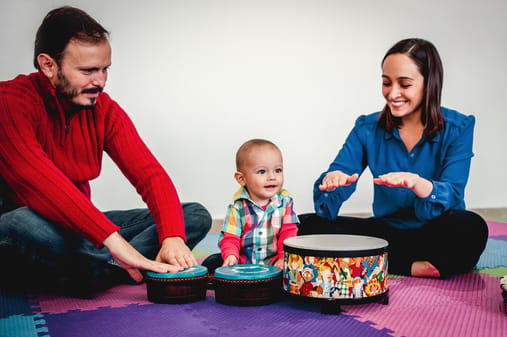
(230,260)
(279,263)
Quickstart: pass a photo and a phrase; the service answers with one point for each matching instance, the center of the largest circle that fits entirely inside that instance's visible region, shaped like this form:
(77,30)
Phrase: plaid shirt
(255,235)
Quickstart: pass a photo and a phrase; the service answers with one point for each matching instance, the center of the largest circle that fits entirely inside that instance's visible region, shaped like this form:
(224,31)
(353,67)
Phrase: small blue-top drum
(184,286)
(248,272)
(247,284)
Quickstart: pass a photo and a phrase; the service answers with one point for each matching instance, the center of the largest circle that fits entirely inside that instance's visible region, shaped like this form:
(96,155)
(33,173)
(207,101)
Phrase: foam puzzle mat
(464,305)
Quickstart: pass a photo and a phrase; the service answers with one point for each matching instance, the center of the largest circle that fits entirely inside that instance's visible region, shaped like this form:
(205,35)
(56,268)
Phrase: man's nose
(99,79)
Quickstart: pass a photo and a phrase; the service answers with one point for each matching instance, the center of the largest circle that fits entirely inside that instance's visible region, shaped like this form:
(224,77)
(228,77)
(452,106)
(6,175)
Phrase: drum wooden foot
(330,308)
(385,301)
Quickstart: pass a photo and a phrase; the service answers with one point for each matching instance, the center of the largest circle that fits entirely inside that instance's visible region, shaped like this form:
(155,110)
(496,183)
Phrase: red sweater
(48,155)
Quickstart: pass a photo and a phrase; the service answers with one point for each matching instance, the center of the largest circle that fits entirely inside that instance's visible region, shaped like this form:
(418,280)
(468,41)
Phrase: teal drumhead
(248,272)
(194,271)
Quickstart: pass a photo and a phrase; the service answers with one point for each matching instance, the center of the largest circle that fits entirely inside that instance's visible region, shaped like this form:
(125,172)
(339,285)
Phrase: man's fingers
(182,261)
(191,260)
(160,267)
(186,260)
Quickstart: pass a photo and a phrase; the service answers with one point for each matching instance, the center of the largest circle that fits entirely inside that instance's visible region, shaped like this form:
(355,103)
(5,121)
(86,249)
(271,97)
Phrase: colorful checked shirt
(255,235)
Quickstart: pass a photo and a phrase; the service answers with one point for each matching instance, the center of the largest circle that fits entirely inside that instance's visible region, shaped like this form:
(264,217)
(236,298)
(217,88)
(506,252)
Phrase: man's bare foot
(424,269)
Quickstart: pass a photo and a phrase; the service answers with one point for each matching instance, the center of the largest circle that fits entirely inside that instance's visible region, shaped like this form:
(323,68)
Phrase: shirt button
(433,197)
(325,194)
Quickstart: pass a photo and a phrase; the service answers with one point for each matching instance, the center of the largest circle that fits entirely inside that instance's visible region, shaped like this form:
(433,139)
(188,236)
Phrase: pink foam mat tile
(115,297)
(465,306)
(497,228)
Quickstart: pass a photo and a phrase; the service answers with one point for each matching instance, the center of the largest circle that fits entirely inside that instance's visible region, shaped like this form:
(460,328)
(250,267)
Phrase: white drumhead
(335,242)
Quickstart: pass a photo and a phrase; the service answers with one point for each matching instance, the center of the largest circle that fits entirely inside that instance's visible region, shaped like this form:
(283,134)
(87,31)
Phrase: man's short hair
(60,26)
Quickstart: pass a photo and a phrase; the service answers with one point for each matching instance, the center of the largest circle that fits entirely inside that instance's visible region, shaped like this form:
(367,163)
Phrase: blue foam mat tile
(495,254)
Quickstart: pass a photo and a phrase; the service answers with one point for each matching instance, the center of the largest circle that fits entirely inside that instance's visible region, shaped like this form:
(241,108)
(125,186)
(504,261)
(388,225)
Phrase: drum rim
(341,301)
(273,272)
(379,249)
(196,271)
(335,253)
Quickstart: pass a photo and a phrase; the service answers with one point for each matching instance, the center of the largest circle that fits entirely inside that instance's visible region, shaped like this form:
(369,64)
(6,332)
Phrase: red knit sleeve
(135,160)
(288,230)
(230,245)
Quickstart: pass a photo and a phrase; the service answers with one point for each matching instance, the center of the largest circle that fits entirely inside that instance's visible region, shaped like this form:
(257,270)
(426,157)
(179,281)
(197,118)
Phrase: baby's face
(263,173)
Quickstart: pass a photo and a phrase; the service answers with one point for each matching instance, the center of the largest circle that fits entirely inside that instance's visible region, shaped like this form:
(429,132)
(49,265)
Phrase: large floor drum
(336,269)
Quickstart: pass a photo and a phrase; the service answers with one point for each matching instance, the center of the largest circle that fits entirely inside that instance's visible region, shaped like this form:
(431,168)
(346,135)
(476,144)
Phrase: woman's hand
(335,179)
(420,186)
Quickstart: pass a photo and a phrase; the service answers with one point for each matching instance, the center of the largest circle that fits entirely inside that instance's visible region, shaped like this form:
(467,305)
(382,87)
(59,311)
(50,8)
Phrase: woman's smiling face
(402,86)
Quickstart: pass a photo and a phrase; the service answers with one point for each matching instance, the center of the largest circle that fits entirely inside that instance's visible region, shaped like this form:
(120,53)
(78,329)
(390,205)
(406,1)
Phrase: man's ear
(48,66)
(240,178)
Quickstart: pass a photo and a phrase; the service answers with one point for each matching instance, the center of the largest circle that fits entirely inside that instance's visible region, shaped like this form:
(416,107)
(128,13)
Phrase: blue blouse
(444,160)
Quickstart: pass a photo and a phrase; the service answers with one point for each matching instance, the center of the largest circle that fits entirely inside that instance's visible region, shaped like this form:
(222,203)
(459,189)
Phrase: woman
(419,154)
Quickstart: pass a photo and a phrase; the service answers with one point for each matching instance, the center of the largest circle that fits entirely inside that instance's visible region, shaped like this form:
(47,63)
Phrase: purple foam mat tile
(285,318)
(208,318)
(133,320)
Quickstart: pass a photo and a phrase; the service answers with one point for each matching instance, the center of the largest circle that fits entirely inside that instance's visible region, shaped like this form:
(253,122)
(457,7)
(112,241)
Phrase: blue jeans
(29,241)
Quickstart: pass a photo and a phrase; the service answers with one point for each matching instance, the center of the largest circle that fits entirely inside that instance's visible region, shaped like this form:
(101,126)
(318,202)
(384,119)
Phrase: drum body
(347,269)
(188,285)
(247,284)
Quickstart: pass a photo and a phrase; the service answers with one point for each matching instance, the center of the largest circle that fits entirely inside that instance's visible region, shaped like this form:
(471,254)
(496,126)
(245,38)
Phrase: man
(55,125)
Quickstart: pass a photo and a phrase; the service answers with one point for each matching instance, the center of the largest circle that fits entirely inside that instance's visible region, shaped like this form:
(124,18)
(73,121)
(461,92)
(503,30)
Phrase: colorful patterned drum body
(344,269)
(182,287)
(247,284)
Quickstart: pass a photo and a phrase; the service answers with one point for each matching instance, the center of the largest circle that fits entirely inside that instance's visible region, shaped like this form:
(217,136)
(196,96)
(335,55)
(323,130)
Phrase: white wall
(200,77)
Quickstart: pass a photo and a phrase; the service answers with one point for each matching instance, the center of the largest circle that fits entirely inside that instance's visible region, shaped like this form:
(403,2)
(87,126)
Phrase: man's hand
(131,260)
(175,252)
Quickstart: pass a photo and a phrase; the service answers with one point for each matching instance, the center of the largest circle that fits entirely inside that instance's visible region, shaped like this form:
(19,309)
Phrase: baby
(262,215)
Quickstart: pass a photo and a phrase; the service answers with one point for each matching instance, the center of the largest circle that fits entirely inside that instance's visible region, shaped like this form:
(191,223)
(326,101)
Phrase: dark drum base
(248,292)
(176,291)
(332,306)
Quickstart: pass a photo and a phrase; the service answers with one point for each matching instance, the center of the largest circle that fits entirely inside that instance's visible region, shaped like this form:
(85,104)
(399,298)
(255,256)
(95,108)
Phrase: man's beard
(65,88)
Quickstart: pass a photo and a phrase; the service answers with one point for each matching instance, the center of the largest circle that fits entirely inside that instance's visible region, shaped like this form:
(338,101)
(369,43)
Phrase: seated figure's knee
(197,223)
(197,216)
(20,219)
(24,224)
